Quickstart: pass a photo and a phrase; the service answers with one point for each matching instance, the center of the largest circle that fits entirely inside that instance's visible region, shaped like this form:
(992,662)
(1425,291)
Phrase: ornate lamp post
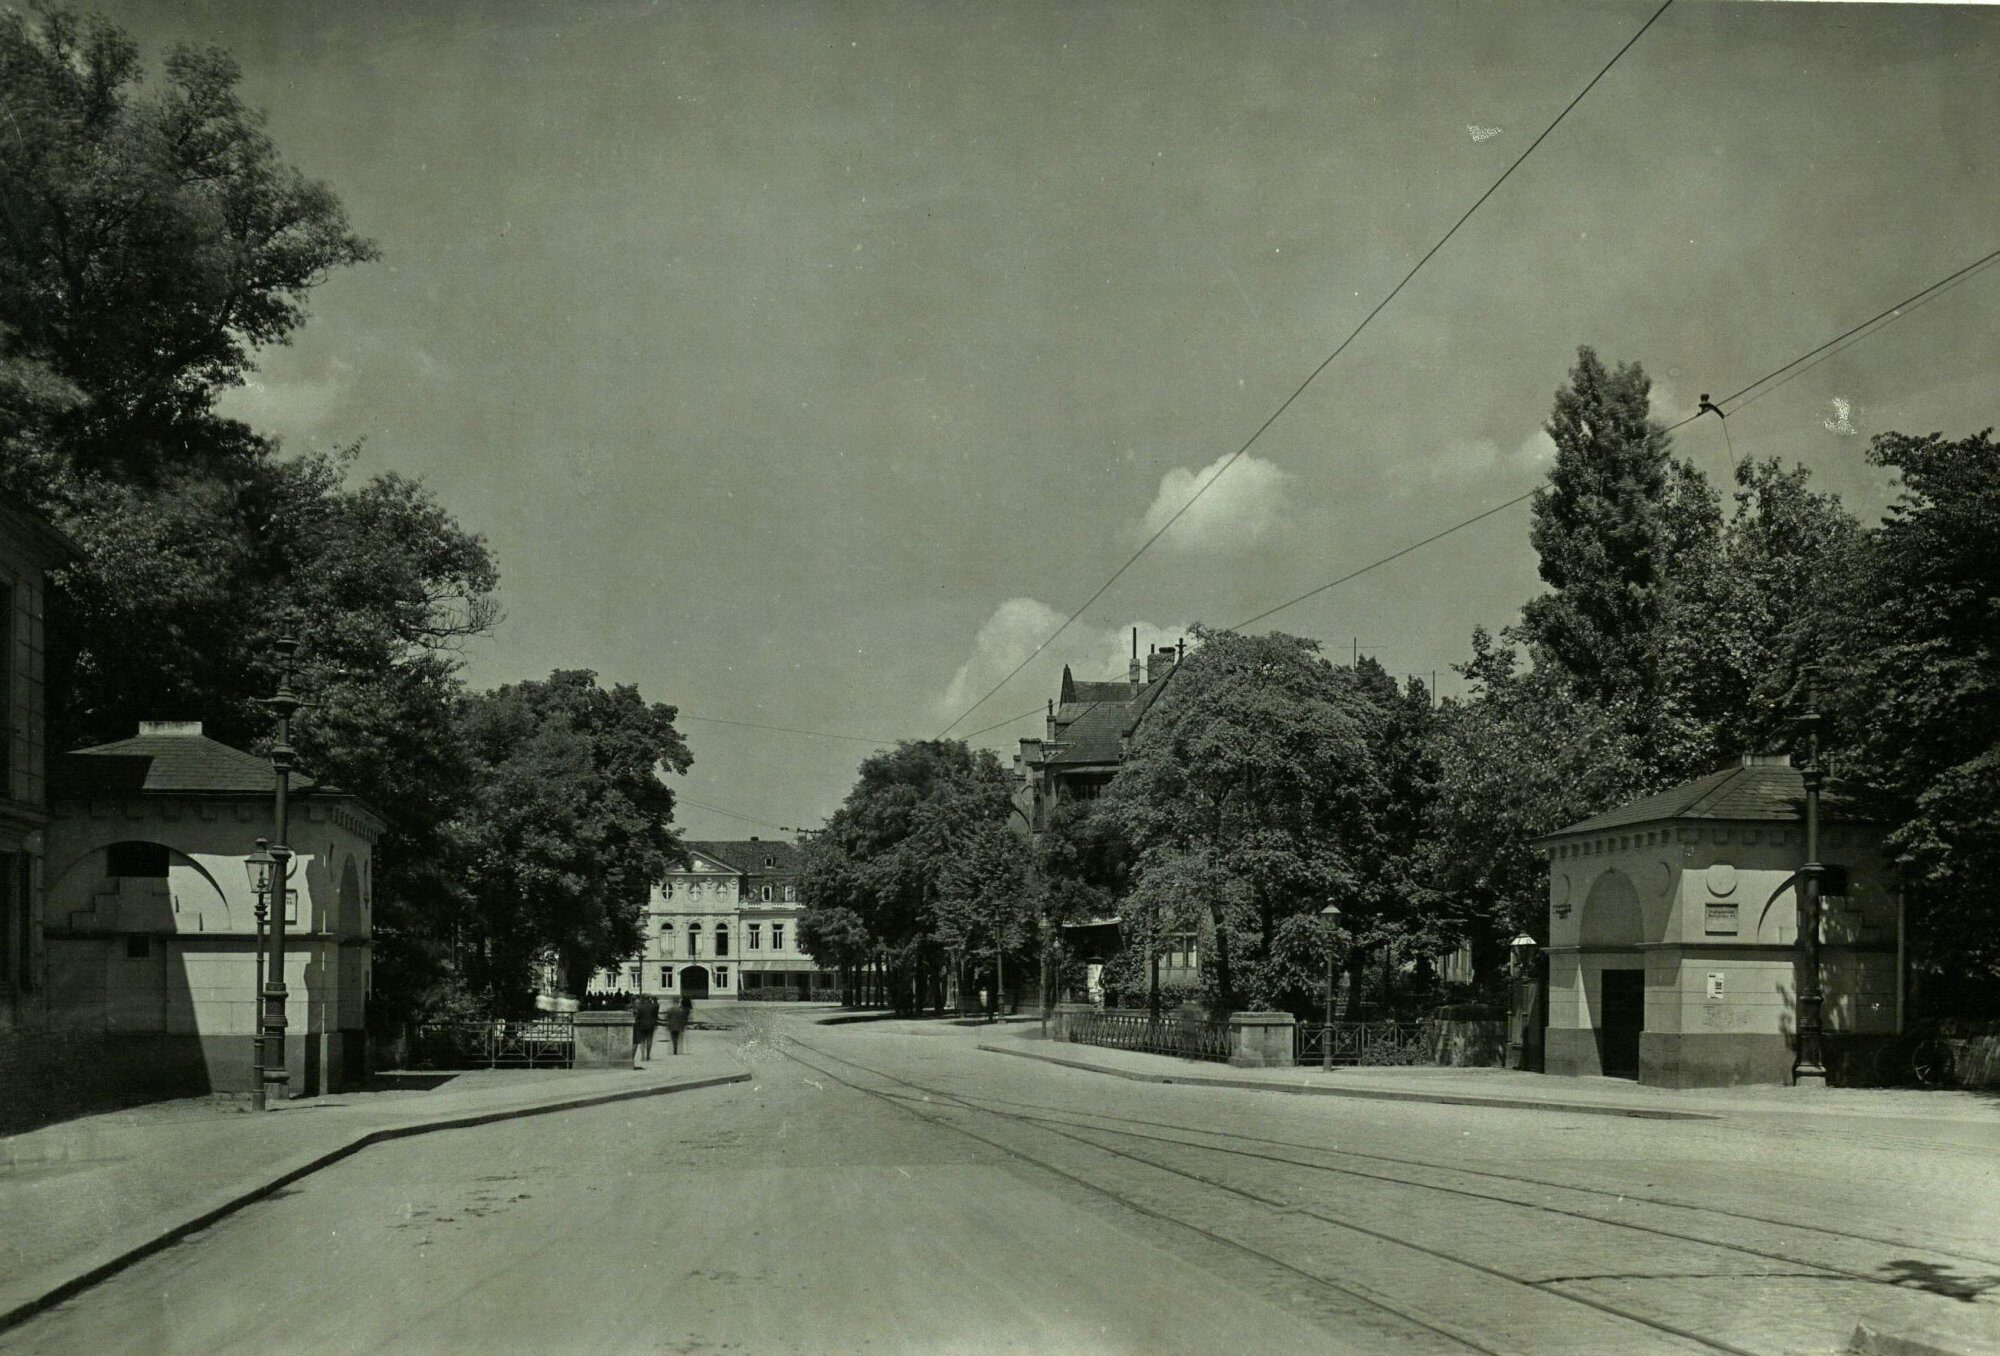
(283,705)
(1331,913)
(258,866)
(1809,1070)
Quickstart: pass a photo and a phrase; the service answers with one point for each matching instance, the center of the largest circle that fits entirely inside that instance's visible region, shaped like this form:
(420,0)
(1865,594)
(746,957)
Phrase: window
(138,948)
(666,976)
(721,976)
(770,861)
(666,939)
(766,895)
(670,889)
(136,860)
(777,936)
(638,977)
(721,939)
(694,939)
(752,939)
(791,893)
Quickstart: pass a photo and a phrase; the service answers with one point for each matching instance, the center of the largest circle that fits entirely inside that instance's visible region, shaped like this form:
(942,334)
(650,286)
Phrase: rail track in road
(1071,1115)
(1471,1304)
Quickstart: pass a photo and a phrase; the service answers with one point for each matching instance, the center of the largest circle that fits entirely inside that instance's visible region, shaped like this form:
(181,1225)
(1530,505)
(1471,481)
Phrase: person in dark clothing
(645,1020)
(677,1021)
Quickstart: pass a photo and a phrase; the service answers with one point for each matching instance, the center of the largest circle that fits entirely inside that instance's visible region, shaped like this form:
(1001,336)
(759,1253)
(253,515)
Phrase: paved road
(886,1188)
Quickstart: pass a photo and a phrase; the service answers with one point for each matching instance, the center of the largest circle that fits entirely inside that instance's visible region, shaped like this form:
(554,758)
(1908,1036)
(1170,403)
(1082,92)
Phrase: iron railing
(1188,1035)
(1383,1042)
(547,1042)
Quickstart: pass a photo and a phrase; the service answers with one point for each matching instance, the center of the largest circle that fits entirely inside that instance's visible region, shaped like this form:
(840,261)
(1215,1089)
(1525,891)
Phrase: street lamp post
(258,865)
(283,704)
(1331,913)
(1810,1068)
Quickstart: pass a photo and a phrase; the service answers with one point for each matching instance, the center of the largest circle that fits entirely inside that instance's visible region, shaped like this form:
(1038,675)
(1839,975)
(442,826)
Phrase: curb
(61,1282)
(1872,1337)
(1369,1094)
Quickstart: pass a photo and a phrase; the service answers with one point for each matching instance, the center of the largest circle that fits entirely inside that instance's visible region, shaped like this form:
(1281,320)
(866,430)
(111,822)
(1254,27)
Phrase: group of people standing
(646,1020)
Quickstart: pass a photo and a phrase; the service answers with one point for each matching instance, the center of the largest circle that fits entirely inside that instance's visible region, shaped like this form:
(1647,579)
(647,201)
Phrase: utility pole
(1809,1071)
(282,705)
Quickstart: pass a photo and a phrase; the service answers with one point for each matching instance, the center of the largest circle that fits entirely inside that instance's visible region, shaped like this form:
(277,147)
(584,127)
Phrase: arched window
(694,939)
(721,939)
(767,894)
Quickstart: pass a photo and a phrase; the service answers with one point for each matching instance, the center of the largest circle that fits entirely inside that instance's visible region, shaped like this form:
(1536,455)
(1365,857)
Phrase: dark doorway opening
(1621,1017)
(694,981)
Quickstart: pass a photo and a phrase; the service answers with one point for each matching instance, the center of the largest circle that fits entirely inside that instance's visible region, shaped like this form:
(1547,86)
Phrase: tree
(885,854)
(1252,771)
(1522,757)
(1609,531)
(1912,654)
(151,238)
(568,829)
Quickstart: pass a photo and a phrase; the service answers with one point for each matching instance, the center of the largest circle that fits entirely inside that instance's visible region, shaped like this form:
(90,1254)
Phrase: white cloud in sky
(1017,626)
(1238,510)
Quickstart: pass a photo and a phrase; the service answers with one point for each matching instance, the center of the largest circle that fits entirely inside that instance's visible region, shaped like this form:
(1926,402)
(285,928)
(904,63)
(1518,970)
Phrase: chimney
(1766,760)
(169,727)
(1159,663)
(753,838)
(1132,673)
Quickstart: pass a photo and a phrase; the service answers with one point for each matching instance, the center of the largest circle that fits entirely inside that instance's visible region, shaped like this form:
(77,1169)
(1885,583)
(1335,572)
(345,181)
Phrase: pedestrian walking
(677,1021)
(645,1020)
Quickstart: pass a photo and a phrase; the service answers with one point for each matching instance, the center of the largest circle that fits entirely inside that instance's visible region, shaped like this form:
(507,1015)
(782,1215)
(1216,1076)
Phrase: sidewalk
(87,1197)
(1513,1089)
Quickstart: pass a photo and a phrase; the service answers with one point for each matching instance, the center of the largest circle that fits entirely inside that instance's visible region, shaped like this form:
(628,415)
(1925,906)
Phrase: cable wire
(1353,334)
(1891,315)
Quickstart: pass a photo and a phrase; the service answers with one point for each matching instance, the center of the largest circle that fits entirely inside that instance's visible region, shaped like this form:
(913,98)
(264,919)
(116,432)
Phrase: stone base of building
(1571,1052)
(1713,1059)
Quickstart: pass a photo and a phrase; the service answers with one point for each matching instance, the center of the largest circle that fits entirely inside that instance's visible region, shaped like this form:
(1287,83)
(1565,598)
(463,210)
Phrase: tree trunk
(1225,984)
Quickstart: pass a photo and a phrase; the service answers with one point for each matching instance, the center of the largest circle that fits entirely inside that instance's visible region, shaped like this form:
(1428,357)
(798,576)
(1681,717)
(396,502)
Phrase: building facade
(151,929)
(726,926)
(1088,730)
(1673,949)
(29,550)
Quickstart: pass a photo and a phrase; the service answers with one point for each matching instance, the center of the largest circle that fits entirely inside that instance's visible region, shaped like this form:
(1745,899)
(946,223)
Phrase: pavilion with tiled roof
(1673,931)
(151,920)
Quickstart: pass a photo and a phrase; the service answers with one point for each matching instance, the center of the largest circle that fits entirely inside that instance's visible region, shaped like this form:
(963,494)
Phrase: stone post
(1063,1022)
(603,1040)
(1261,1040)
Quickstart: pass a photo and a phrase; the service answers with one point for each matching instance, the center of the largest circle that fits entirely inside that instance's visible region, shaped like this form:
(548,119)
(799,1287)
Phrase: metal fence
(530,1043)
(1188,1035)
(1383,1042)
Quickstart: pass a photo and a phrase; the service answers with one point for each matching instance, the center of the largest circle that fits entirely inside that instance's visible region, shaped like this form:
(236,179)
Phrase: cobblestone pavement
(888,1187)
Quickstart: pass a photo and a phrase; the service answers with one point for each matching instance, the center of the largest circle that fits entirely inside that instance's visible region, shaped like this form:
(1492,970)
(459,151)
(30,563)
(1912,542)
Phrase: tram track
(935,1103)
(1081,1119)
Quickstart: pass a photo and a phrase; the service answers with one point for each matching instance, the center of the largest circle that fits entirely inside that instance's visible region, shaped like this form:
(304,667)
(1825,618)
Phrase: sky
(807,364)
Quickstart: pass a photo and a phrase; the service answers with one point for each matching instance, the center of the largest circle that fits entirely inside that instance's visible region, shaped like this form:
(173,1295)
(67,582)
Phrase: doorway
(1621,1017)
(694,981)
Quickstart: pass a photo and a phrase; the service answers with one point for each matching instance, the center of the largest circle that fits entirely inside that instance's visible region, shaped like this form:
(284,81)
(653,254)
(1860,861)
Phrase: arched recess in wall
(170,875)
(350,923)
(1612,914)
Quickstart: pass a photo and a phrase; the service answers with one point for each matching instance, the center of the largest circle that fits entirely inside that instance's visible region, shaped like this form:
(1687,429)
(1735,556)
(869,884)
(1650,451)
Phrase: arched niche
(1612,917)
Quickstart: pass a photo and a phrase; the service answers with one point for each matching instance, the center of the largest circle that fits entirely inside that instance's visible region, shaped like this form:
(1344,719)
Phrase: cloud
(1010,635)
(1241,508)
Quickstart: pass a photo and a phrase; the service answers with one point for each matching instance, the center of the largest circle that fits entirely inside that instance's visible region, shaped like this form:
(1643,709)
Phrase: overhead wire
(1811,358)
(1326,362)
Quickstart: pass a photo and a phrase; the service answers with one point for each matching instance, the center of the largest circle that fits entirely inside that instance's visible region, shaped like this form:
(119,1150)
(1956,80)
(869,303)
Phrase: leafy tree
(568,827)
(1609,530)
(1912,654)
(151,238)
(1252,772)
(885,855)
(1743,619)
(1522,757)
